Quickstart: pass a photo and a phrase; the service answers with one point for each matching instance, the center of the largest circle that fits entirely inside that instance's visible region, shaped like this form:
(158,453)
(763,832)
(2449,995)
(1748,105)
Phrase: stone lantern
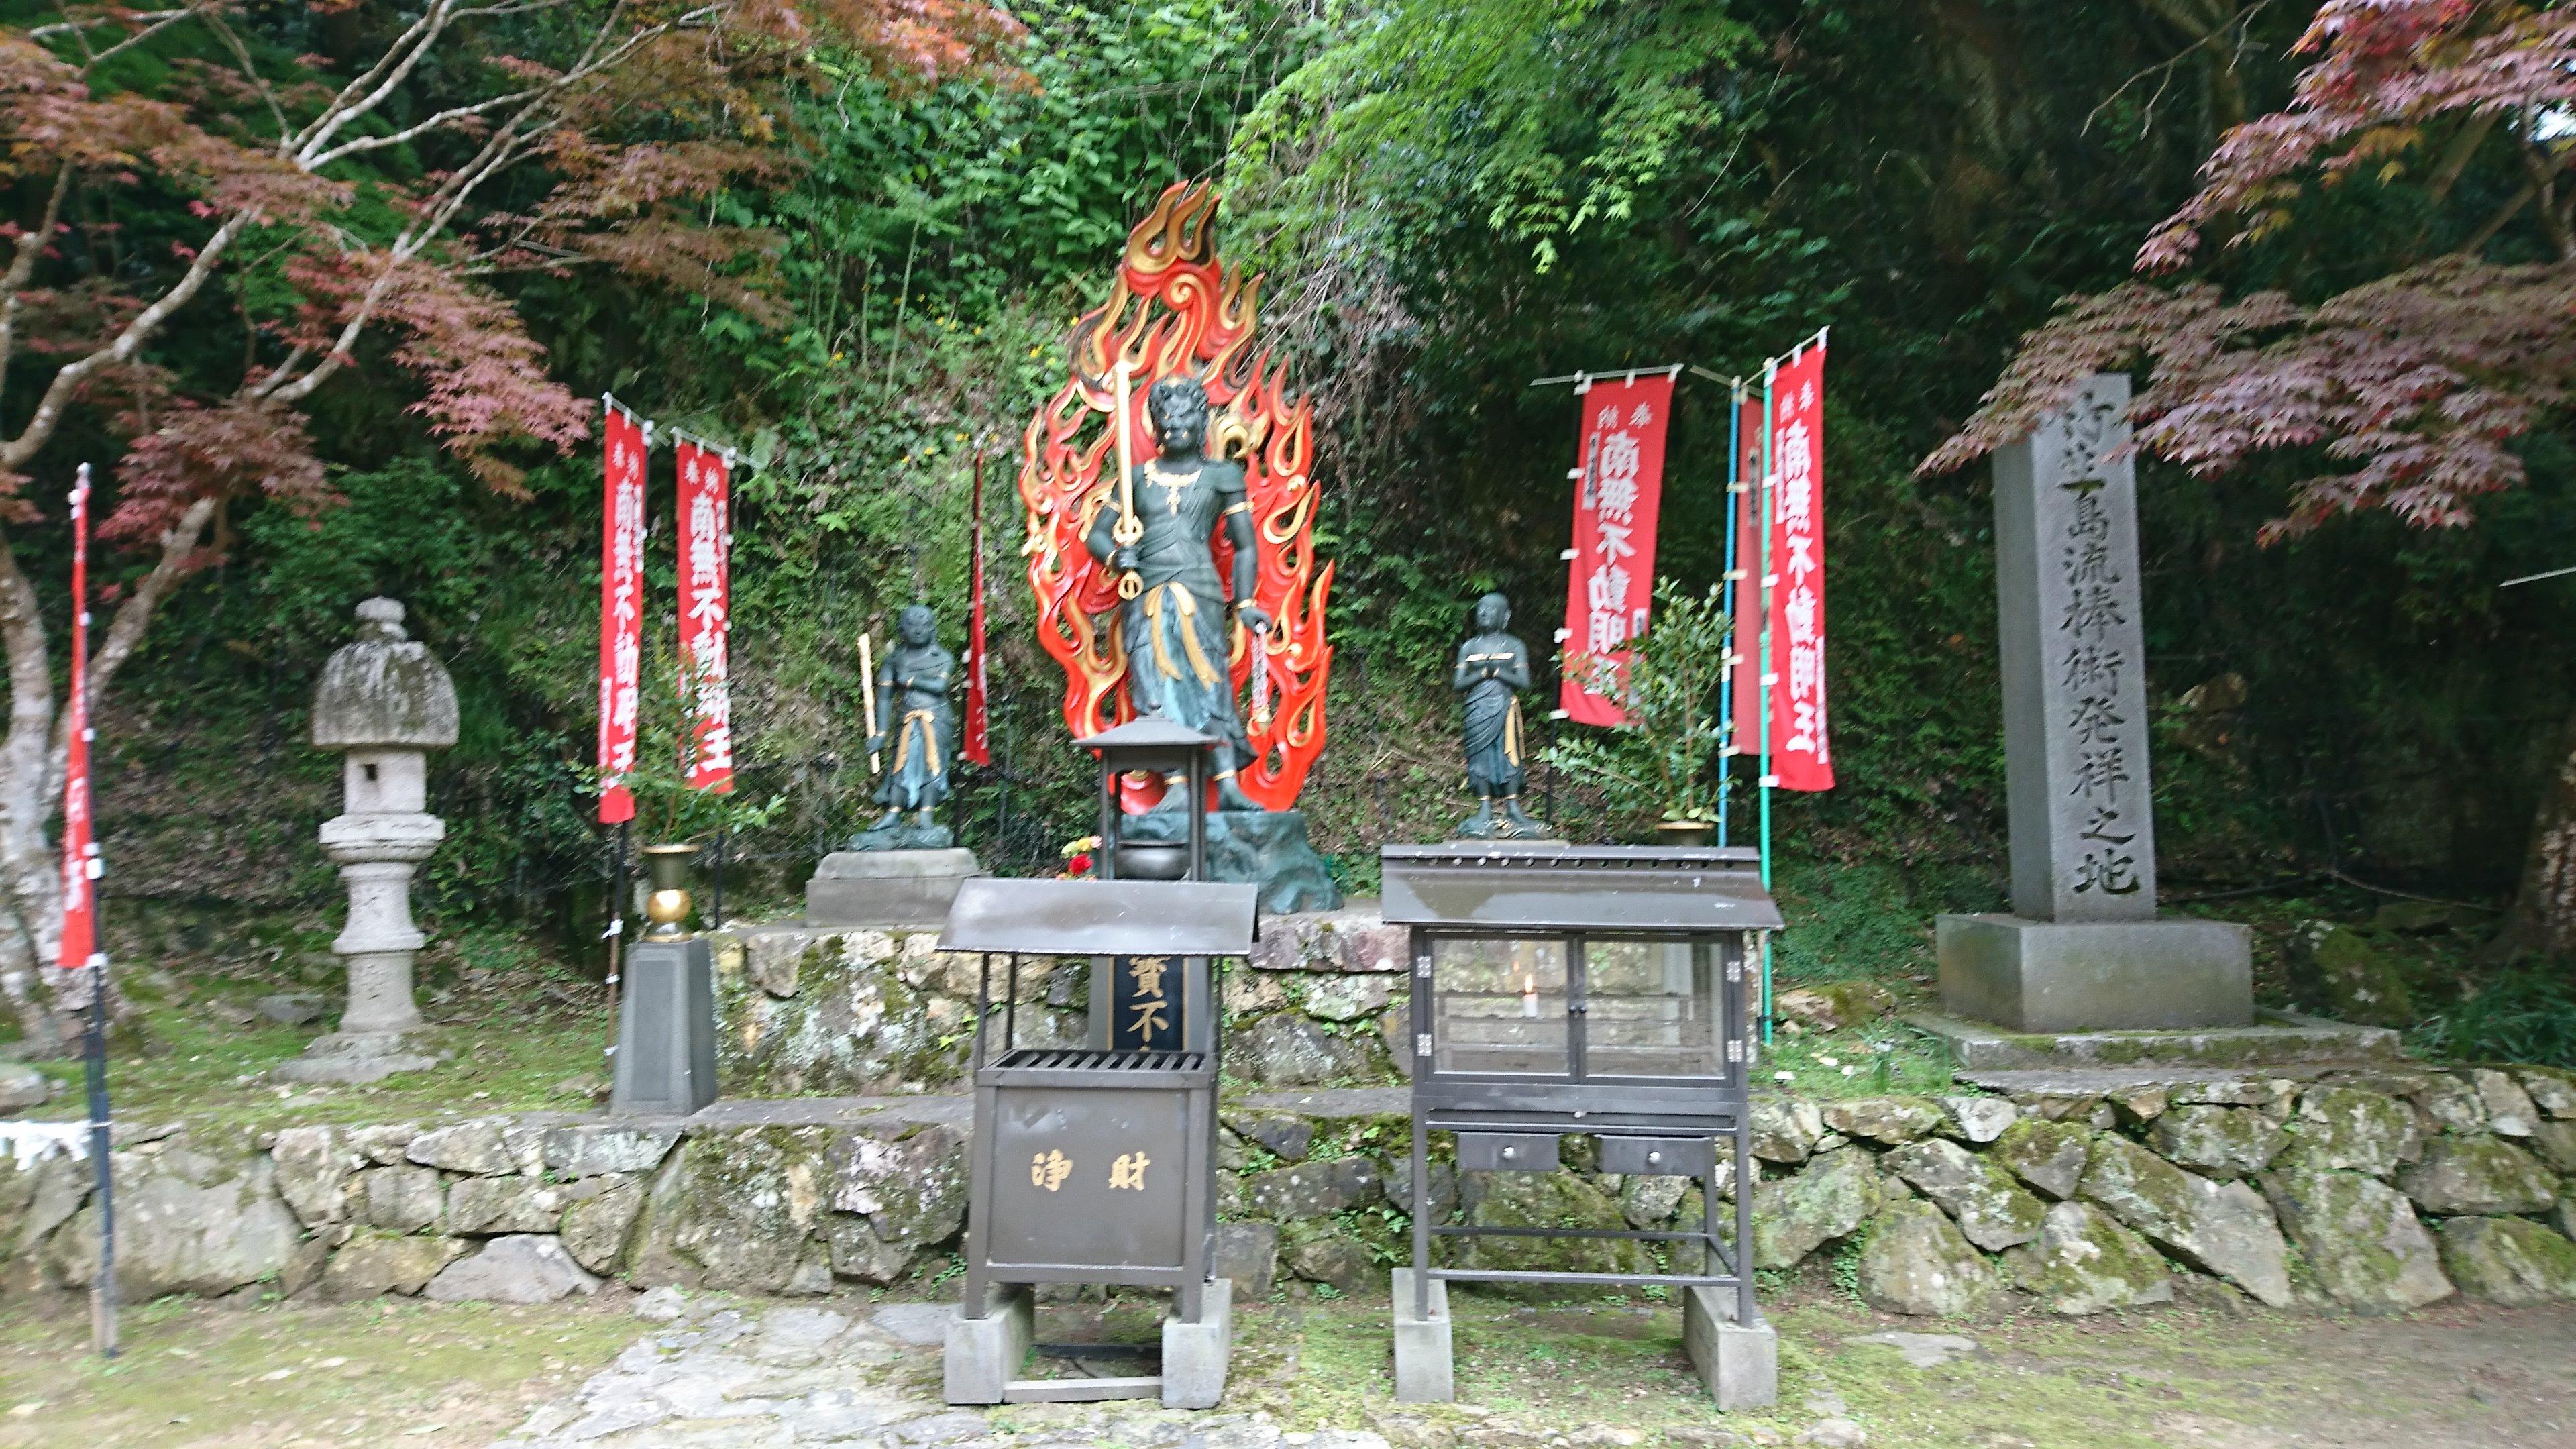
(384,704)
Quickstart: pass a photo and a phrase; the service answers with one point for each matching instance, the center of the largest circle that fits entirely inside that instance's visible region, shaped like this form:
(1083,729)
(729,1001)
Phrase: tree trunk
(31,773)
(2543,919)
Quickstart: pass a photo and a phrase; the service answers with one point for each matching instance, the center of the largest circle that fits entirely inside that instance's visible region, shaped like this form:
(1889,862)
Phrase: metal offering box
(1095,1164)
(1594,990)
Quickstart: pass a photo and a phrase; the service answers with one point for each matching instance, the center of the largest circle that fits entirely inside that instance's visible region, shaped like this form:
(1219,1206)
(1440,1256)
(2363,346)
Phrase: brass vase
(666,868)
(1685,832)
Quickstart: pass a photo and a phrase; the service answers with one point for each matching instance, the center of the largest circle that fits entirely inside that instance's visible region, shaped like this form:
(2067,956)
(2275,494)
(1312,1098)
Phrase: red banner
(978,743)
(1618,491)
(706,580)
(80,851)
(1801,755)
(621,612)
(1744,674)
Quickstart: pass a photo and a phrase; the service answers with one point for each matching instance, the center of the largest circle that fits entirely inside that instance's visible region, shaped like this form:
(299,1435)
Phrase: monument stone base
(887,887)
(2053,976)
(1267,848)
(666,1030)
(356,1058)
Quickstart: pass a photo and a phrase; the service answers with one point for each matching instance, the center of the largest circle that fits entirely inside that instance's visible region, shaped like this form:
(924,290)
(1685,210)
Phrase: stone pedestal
(2096,975)
(1196,1355)
(984,1353)
(1740,1362)
(666,1030)
(885,888)
(1425,1363)
(1267,848)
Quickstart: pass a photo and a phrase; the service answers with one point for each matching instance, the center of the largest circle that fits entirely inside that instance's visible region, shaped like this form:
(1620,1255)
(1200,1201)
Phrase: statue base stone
(356,1058)
(1267,848)
(887,887)
(2047,976)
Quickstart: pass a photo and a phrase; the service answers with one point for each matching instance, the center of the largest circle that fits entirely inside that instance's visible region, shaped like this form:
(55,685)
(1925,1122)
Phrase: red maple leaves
(2415,384)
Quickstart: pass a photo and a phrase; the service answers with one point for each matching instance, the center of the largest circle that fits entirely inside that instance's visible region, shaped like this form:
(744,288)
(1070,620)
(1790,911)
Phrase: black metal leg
(1421,1220)
(1744,1313)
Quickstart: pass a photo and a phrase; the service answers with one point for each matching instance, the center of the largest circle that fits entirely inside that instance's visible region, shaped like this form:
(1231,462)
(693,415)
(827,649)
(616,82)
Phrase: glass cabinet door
(1649,1009)
(1499,1007)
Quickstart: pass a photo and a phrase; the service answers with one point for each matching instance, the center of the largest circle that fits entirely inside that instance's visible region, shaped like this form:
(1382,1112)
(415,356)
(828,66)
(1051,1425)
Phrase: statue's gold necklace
(1172,484)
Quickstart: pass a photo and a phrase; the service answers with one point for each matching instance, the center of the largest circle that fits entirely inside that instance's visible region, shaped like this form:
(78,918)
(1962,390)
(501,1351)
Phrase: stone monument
(1493,668)
(384,704)
(2083,948)
(899,872)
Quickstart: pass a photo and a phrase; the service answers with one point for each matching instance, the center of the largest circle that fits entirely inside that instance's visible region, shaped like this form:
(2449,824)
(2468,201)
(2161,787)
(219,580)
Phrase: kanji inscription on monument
(2074,665)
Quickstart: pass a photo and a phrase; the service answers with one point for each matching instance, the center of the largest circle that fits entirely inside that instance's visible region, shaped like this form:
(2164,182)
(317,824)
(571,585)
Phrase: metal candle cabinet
(1095,1164)
(1601,990)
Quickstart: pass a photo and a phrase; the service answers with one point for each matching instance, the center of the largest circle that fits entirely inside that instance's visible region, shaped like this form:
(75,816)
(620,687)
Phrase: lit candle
(1529,995)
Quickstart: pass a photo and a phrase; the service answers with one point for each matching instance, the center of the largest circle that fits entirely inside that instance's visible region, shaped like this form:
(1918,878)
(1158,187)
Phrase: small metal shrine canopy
(1597,990)
(1097,1163)
(1150,744)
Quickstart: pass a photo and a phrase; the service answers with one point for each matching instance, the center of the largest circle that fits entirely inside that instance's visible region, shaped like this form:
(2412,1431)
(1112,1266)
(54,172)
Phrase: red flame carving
(1175,308)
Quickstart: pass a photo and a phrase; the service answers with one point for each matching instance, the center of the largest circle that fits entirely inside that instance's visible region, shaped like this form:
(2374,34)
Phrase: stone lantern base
(356,1057)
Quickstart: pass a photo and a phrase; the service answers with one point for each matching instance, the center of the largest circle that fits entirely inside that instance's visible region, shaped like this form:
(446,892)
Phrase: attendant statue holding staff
(914,679)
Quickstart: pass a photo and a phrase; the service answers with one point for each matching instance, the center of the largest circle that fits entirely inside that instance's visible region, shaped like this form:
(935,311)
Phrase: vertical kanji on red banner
(1617,494)
(1744,675)
(80,851)
(621,612)
(706,573)
(1801,755)
(978,743)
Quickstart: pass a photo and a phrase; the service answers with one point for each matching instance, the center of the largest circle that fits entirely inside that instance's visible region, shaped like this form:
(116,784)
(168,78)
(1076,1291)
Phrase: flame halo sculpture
(1176,309)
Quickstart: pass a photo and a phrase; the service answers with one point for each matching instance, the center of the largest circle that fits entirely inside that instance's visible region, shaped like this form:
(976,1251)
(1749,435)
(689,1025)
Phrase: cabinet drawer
(1658,1156)
(1506,1152)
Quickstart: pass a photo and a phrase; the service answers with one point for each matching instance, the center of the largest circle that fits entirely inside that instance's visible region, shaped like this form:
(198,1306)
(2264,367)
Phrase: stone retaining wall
(2373,1192)
(840,1010)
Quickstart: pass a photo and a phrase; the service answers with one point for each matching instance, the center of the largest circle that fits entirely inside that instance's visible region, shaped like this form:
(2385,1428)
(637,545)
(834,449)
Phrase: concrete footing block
(1425,1367)
(1195,1355)
(1740,1362)
(985,1353)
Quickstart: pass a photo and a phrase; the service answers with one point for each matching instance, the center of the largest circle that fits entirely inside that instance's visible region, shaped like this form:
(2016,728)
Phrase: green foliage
(1671,688)
(2523,1016)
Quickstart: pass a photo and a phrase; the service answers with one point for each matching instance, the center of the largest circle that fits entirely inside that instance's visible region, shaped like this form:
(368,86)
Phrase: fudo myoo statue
(921,733)
(1493,668)
(1175,627)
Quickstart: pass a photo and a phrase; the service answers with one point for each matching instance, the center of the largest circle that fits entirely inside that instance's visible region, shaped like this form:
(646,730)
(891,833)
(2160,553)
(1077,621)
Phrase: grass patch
(199,1373)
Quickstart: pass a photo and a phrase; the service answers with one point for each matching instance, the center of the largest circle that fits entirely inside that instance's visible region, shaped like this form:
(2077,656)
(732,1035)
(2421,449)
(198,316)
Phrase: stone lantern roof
(384,690)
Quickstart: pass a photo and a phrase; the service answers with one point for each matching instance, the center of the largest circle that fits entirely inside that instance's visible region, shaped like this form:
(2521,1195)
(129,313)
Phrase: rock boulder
(1994,1212)
(2512,1261)
(2361,1238)
(2050,1156)
(1917,1263)
(2223,1228)
(2344,1129)
(525,1268)
(2084,1263)
(2478,1175)
(2220,1141)
(1793,1216)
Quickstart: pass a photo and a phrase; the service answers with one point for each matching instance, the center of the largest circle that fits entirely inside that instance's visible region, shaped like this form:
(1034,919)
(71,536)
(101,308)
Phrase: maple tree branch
(249,69)
(68,378)
(22,267)
(158,21)
(377,143)
(356,98)
(2456,159)
(179,545)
